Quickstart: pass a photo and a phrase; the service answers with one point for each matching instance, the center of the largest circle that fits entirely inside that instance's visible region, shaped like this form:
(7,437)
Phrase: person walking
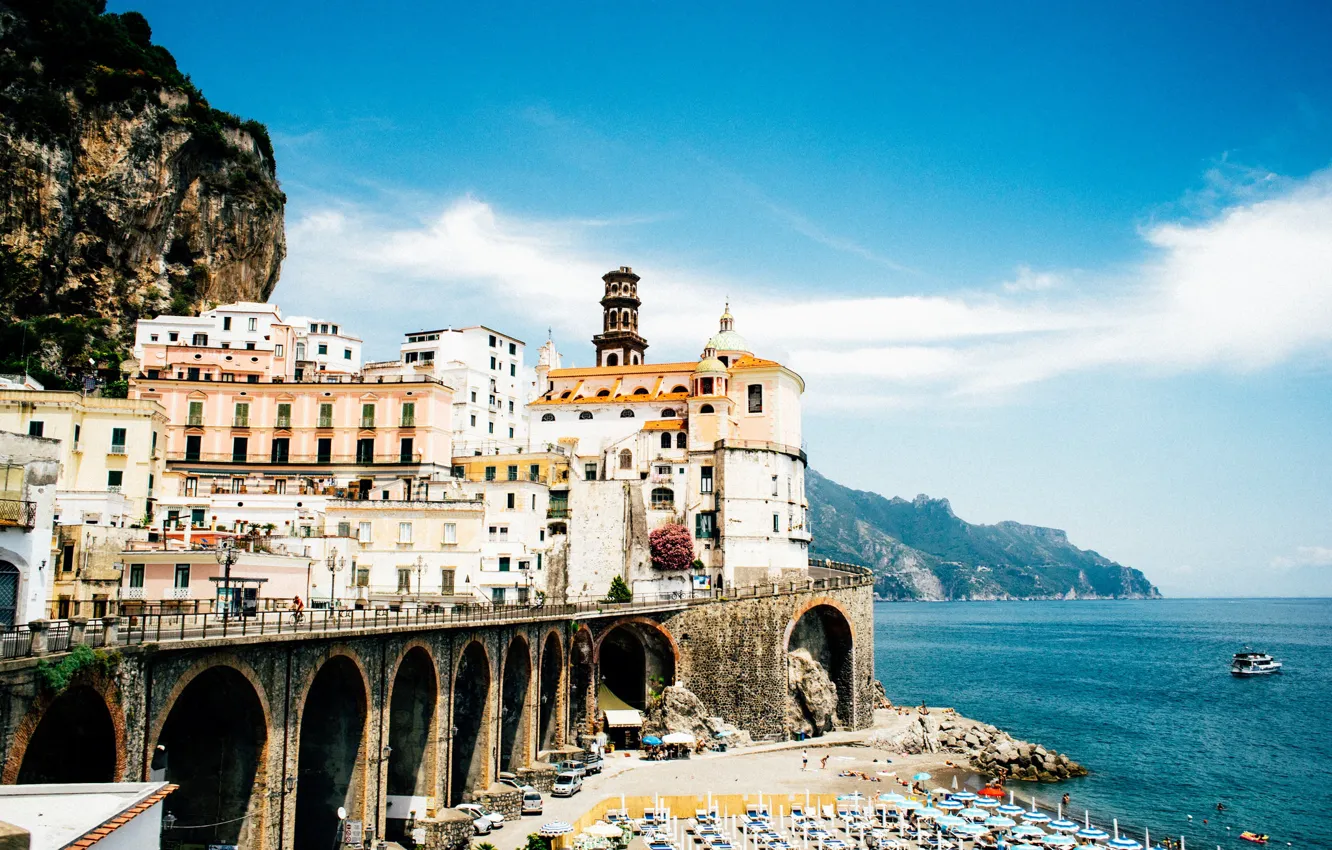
(804,759)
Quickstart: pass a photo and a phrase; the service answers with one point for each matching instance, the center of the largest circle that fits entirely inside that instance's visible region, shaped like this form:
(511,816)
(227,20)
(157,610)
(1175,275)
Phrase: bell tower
(619,344)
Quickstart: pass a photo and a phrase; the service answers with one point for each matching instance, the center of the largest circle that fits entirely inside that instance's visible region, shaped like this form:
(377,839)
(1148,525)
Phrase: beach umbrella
(1026,830)
(950,805)
(683,738)
(928,812)
(652,740)
(601,829)
(555,829)
(973,813)
(912,804)
(892,798)
(940,792)
(1009,809)
(1057,840)
(855,797)
(1000,822)
(972,829)
(1034,816)
(921,777)
(993,792)
(950,821)
(964,796)
(1122,843)
(985,803)
(1025,847)
(1062,825)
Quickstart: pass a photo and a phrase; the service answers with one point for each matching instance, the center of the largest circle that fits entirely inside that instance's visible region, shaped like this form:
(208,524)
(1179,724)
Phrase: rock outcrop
(122,192)
(991,751)
(680,710)
(812,704)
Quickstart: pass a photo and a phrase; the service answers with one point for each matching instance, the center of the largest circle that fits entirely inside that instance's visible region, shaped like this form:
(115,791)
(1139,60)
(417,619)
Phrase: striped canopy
(1010,809)
(964,796)
(1035,817)
(554,829)
(1000,821)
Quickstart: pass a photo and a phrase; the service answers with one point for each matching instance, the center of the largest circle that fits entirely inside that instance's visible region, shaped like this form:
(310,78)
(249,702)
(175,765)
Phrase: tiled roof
(92,837)
(751,362)
(611,371)
(664,425)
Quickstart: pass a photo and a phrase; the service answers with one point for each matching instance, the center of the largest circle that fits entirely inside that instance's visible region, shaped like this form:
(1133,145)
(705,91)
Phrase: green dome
(710,364)
(728,341)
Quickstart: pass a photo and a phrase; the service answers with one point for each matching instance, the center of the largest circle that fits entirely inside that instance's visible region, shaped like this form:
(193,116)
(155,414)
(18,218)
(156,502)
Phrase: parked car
(574,767)
(567,785)
(495,819)
(480,823)
(532,802)
(506,778)
(594,763)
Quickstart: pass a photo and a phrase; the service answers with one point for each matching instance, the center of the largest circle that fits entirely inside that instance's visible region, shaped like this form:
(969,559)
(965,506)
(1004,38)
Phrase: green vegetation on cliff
(123,192)
(920,549)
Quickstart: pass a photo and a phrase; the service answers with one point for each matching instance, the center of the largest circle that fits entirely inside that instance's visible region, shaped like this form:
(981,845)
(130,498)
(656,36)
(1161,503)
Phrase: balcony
(408,422)
(367,423)
(557,513)
(117,449)
(15,513)
(134,593)
(295,459)
(113,488)
(178,593)
(194,422)
(325,422)
(283,423)
(240,422)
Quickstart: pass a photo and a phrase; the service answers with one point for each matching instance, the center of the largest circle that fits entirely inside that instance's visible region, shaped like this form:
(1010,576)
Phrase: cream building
(29,468)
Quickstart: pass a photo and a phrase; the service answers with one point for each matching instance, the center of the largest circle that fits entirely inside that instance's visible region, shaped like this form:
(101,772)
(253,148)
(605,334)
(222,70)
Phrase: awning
(624,718)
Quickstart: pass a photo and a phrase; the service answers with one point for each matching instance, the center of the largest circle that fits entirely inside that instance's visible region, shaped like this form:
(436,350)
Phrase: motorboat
(1254,664)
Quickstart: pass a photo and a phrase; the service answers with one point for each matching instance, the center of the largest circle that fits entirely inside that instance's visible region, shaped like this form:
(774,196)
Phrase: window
(509,501)
(626,414)
(404,532)
(346,354)
(300,351)
(665,440)
(707,408)
(344,529)
(534,472)
(513,369)
(513,472)
(490,473)
(590,471)
(409,357)
(278,350)
(493,363)
(363,532)
(35,428)
(240,448)
(280,486)
(755,398)
(193,443)
(197,517)
(324,450)
(405,453)
(325,416)
(612,360)
(776,523)
(191,374)
(668,413)
(252,325)
(199,339)
(473,420)
(446,582)
(365,451)
(705,525)
(705,479)
(323,348)
(473,396)
(681,441)
(450,533)
(136,575)
(114,478)
(404,579)
(490,427)
(492,341)
(284,415)
(511,407)
(182,579)
(368,415)
(409,414)
(459,472)
(226,323)
(504,564)
(705,386)
(547,417)
(663,499)
(362,577)
(314,329)
(241,419)
(323,329)
(281,451)
(626,459)
(173,336)
(586,414)
(513,348)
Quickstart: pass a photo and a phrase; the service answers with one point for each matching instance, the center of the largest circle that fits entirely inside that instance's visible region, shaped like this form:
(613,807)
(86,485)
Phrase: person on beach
(804,759)
(823,763)
(1066,798)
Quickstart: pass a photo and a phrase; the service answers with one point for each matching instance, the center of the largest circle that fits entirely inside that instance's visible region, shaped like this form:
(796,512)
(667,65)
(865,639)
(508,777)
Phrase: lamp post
(420,569)
(226,557)
(334,563)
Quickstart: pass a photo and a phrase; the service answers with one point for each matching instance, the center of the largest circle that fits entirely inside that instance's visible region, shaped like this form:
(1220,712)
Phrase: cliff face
(920,549)
(122,192)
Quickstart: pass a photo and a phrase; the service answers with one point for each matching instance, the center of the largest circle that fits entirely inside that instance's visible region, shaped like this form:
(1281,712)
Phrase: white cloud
(1245,289)
(1304,557)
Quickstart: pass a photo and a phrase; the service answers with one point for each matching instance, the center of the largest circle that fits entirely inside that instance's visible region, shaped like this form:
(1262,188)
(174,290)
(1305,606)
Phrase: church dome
(709,365)
(726,338)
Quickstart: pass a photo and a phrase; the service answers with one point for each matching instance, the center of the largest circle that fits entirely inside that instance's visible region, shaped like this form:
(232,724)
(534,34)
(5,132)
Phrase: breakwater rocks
(992,751)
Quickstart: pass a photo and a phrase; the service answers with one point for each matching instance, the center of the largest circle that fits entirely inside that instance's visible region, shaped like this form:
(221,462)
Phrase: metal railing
(117,449)
(17,513)
(294,458)
(557,513)
(16,642)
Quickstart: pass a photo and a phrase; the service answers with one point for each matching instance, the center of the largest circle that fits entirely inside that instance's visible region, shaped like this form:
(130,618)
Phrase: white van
(567,785)
(532,802)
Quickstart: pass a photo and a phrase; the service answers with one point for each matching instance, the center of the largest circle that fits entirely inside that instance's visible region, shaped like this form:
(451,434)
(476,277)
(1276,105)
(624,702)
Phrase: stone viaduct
(267,735)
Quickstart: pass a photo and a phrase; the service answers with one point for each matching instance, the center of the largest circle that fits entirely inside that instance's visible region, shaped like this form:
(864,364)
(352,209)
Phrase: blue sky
(1069,264)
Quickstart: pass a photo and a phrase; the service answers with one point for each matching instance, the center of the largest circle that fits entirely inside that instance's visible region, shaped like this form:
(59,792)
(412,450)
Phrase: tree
(619,591)
(672,547)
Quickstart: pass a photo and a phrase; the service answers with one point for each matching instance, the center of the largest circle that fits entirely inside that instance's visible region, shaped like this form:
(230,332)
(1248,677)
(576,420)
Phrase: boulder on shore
(812,704)
(992,751)
(680,710)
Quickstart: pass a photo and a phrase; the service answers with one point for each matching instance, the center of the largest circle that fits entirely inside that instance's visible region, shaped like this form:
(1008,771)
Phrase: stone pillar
(39,629)
(77,627)
(110,627)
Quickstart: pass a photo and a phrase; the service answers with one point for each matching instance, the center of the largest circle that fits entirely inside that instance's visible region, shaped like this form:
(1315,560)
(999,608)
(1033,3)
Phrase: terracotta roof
(606,371)
(754,363)
(96,835)
(616,399)
(664,425)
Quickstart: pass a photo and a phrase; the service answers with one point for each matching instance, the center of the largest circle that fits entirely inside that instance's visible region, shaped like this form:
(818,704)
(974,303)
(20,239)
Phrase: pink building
(183,577)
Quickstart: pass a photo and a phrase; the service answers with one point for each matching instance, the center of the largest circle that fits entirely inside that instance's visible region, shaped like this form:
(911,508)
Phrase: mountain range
(920,549)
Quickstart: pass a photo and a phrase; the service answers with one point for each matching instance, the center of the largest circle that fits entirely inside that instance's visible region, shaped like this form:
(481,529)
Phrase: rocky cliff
(123,193)
(920,549)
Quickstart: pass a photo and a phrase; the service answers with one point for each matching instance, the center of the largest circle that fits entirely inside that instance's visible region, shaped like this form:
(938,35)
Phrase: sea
(1140,692)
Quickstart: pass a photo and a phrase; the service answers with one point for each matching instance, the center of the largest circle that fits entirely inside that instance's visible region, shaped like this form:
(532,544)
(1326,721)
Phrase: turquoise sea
(1139,691)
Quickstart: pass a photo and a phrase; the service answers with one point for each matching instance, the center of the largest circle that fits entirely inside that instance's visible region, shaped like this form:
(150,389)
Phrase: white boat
(1254,664)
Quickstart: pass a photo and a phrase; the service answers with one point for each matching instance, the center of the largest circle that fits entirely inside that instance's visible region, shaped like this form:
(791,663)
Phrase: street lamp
(420,568)
(334,563)
(226,556)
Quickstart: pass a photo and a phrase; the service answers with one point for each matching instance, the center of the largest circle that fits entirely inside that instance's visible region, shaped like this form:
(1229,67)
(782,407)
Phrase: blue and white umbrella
(972,829)
(950,806)
(1123,844)
(1025,847)
(892,798)
(1034,816)
(950,821)
(999,822)
(1010,809)
(1026,830)
(1063,825)
(921,777)
(1059,840)
(986,803)
(928,812)
(964,796)
(554,829)
(1091,833)
(974,813)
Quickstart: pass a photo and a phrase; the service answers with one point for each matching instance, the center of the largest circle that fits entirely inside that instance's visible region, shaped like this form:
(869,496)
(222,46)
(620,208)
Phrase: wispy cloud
(1304,557)
(1243,289)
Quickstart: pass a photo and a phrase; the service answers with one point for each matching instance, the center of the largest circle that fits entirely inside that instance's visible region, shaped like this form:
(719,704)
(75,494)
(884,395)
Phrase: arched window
(626,414)
(668,413)
(680,389)
(612,319)
(612,360)
(641,391)
(663,499)
(603,393)
(586,414)
(681,441)
(635,359)
(665,440)
(626,459)
(707,408)
(624,319)
(547,417)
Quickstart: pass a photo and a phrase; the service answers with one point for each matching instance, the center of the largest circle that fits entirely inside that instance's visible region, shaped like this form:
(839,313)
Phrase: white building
(104,815)
(29,468)
(323,347)
(491,382)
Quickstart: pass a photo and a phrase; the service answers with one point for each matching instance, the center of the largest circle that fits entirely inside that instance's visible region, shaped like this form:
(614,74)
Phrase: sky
(1066,264)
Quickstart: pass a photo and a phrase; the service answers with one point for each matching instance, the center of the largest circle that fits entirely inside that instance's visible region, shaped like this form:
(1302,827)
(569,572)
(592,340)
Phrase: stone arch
(74,736)
(515,719)
(214,731)
(332,720)
(582,656)
(612,360)
(470,754)
(413,701)
(635,657)
(824,629)
(548,714)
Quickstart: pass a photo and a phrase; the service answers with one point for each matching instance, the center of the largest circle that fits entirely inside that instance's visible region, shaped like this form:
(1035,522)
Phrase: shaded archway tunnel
(471,723)
(514,720)
(332,742)
(636,662)
(412,739)
(214,740)
(820,654)
(580,684)
(75,741)
(552,662)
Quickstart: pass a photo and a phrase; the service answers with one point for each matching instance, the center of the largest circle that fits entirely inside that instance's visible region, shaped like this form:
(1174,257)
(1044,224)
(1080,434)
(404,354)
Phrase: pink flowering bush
(672,547)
